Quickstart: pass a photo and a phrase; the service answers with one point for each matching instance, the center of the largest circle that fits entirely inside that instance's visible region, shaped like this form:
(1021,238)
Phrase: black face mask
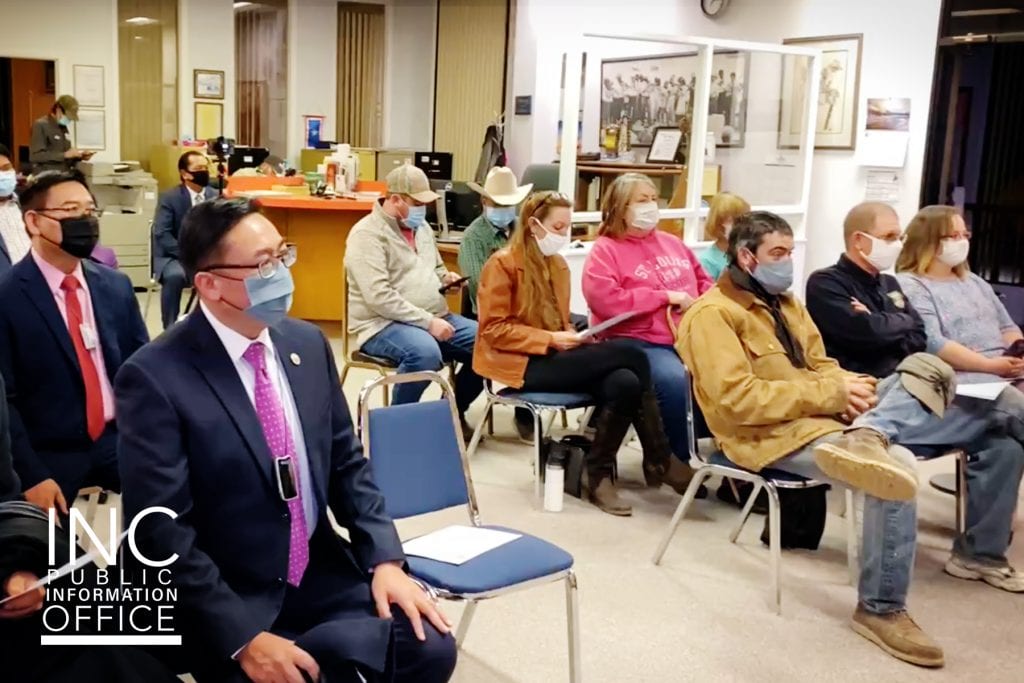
(200,178)
(79,235)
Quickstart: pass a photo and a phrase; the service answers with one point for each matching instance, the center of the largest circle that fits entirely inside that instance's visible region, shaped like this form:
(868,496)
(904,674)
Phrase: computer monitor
(462,206)
(247,157)
(437,165)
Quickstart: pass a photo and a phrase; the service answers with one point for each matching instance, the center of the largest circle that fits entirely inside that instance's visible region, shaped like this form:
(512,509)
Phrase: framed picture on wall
(208,84)
(839,81)
(314,126)
(209,120)
(657,91)
(88,82)
(91,129)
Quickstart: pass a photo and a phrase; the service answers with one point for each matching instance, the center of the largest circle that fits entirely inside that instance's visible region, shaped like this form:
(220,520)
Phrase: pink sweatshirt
(636,274)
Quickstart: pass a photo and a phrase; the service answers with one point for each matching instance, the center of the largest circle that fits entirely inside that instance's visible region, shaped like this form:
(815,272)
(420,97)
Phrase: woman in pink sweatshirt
(635,268)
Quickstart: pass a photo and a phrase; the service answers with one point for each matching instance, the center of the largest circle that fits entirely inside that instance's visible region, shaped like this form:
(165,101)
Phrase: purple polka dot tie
(279,439)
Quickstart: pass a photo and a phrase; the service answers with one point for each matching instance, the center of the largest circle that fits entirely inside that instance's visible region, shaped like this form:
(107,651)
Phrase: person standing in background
(50,147)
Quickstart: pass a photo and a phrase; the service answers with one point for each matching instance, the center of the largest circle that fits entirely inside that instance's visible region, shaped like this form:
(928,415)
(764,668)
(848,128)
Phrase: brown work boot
(606,497)
(860,458)
(660,465)
(897,634)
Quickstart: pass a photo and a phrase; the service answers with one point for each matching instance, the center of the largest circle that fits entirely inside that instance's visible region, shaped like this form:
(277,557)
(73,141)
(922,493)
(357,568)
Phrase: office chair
(543,176)
(420,465)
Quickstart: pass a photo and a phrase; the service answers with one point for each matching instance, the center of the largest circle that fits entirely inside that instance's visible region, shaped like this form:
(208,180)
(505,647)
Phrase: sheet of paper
(610,322)
(988,390)
(457,544)
(883,149)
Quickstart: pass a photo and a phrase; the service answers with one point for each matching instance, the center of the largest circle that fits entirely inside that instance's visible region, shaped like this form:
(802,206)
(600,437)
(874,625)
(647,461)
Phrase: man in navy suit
(235,420)
(66,326)
(170,212)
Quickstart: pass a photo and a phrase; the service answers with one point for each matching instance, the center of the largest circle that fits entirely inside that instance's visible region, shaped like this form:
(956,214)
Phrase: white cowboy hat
(501,187)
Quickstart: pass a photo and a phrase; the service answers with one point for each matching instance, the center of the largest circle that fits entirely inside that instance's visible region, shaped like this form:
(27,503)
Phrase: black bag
(573,452)
(801,518)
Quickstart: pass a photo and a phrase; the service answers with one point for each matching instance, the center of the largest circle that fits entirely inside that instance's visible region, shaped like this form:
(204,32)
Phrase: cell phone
(1016,349)
(452,285)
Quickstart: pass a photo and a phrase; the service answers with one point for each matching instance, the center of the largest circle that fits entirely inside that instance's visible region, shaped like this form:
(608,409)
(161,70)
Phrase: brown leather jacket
(504,342)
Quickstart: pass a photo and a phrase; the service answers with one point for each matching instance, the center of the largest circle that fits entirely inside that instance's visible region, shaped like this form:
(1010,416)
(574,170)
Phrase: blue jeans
(413,349)
(992,432)
(889,536)
(672,387)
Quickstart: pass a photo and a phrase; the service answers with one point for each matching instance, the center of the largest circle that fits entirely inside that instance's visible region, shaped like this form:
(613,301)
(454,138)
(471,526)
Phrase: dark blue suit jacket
(5,258)
(190,440)
(170,212)
(45,391)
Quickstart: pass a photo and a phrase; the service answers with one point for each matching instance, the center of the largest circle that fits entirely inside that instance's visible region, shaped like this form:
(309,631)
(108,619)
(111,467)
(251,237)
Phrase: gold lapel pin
(295,359)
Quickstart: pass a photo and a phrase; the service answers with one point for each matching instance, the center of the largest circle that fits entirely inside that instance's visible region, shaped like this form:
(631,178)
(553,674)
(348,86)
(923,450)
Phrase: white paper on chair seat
(986,390)
(457,544)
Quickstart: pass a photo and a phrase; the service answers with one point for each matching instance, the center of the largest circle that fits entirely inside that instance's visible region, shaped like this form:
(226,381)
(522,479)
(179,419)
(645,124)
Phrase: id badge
(287,483)
(88,336)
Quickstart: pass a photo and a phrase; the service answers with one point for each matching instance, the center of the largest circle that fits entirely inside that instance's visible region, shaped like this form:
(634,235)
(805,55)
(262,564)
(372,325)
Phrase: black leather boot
(660,465)
(600,484)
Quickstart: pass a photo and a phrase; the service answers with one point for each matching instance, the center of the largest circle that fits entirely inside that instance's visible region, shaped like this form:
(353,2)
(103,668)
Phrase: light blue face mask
(8,181)
(500,216)
(417,217)
(270,298)
(64,121)
(776,276)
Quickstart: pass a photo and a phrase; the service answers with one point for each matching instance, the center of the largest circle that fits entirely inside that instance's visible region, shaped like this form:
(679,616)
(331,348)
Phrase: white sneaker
(1004,577)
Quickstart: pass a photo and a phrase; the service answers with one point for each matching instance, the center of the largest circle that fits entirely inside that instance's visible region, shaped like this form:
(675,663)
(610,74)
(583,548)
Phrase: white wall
(312,68)
(411,27)
(897,60)
(206,40)
(82,32)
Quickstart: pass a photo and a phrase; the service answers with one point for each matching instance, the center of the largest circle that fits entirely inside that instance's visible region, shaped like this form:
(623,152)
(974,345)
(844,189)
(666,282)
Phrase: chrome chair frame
(539,429)
(567,576)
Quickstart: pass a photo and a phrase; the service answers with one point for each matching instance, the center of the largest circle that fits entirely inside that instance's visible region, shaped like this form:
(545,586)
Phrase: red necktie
(90,377)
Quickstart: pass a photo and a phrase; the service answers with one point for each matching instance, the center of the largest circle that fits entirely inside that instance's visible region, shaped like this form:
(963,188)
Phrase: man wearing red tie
(66,326)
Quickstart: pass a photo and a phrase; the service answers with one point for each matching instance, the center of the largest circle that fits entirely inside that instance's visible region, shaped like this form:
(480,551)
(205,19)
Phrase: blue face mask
(500,216)
(8,181)
(776,277)
(64,121)
(417,217)
(270,298)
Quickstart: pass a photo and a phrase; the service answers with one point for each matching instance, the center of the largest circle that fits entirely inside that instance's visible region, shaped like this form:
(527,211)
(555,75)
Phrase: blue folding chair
(536,402)
(771,480)
(420,465)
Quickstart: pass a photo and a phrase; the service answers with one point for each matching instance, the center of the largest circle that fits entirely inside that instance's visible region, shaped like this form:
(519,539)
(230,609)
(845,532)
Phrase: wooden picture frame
(209,120)
(88,85)
(207,84)
(838,100)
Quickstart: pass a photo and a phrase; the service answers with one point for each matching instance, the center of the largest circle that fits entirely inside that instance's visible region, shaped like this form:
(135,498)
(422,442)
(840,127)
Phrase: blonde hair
(923,239)
(537,306)
(616,199)
(724,207)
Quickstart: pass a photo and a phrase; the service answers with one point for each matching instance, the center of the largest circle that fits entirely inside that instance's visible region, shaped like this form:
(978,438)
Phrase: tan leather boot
(899,635)
(606,497)
(860,458)
(600,486)
(660,465)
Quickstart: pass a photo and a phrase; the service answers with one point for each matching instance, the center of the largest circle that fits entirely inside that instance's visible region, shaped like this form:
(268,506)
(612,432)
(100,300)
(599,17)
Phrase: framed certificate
(90,129)
(664,146)
(209,120)
(88,85)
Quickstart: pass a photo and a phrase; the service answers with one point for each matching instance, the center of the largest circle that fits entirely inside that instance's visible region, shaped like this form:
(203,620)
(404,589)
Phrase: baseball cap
(410,180)
(70,106)
(929,379)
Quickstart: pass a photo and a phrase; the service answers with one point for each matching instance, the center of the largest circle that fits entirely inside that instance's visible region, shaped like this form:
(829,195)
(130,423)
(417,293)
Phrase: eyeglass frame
(286,258)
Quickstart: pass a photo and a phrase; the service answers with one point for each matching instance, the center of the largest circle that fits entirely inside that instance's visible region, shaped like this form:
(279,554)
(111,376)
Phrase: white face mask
(643,216)
(883,253)
(552,242)
(953,252)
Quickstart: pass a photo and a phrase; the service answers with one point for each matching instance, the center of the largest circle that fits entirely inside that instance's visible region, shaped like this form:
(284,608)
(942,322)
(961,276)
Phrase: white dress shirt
(236,345)
(12,231)
(196,196)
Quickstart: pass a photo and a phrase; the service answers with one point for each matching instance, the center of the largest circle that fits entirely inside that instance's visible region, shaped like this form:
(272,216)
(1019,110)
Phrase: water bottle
(554,479)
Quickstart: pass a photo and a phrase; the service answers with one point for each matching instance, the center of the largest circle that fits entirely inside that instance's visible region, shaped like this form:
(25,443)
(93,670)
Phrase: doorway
(27,91)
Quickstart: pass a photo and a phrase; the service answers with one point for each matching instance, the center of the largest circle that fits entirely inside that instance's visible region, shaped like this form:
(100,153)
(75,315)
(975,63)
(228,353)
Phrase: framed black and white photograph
(208,84)
(657,92)
(664,147)
(839,81)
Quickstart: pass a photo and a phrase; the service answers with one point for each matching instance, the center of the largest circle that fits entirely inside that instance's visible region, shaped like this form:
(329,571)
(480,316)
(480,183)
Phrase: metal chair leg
(775,543)
(851,539)
(961,492)
(384,388)
(691,493)
(344,375)
(538,444)
(588,412)
(490,419)
(572,608)
(463,627)
(745,514)
(565,418)
(478,431)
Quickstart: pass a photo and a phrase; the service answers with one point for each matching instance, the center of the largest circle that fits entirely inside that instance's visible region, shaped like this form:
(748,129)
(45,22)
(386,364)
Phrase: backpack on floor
(801,518)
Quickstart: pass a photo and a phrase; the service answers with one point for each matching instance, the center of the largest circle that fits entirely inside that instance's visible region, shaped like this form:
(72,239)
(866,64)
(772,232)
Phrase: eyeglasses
(77,211)
(958,236)
(265,269)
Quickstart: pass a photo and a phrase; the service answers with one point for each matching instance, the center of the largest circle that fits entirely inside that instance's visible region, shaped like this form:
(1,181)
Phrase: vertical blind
(261,72)
(360,74)
(148,76)
(470,87)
